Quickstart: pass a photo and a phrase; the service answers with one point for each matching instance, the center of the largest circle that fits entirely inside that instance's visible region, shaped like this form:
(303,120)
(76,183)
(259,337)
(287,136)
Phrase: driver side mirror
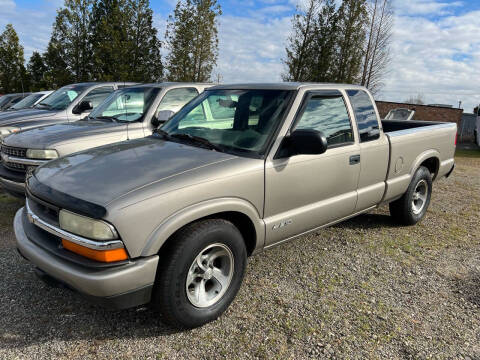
(82,107)
(303,142)
(162,117)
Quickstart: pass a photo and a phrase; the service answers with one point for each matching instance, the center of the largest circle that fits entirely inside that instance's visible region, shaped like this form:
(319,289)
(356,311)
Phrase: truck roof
(284,86)
(171,84)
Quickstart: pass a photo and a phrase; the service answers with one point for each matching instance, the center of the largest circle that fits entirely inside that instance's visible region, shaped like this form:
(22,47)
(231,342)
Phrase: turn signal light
(98,255)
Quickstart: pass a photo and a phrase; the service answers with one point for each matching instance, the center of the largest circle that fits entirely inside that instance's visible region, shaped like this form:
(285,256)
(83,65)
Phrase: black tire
(170,293)
(403,210)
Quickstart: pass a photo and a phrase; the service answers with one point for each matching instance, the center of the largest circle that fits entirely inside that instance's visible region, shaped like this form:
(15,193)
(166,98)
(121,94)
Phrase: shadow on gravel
(368,221)
(468,287)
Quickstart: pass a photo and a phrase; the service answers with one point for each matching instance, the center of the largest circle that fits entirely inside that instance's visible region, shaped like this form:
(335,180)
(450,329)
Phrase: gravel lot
(363,289)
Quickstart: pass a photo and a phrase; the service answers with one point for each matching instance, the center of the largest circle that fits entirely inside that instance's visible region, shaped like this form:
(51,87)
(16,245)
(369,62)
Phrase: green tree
(36,70)
(352,20)
(111,47)
(192,39)
(146,63)
(58,73)
(12,69)
(324,43)
(301,43)
(70,42)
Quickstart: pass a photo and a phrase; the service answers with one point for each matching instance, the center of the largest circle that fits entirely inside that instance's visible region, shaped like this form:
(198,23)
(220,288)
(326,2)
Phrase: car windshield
(237,121)
(60,99)
(4,99)
(128,104)
(26,102)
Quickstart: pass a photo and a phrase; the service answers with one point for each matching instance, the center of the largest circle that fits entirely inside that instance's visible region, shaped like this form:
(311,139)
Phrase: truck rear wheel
(413,205)
(200,272)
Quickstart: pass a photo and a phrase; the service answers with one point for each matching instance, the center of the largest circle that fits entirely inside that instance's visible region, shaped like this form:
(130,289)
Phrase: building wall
(423,112)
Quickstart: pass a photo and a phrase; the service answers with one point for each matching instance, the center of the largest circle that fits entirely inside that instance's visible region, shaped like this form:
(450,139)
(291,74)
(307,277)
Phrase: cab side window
(329,115)
(96,96)
(365,115)
(174,99)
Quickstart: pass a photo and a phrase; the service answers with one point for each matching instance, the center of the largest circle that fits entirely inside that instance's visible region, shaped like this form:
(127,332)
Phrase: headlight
(4,131)
(42,154)
(84,226)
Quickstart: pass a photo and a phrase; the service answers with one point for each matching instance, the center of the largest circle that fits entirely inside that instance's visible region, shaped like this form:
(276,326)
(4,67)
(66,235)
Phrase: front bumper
(12,181)
(118,287)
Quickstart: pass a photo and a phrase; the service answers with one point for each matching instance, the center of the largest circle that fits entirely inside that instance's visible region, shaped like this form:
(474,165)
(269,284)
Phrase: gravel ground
(365,288)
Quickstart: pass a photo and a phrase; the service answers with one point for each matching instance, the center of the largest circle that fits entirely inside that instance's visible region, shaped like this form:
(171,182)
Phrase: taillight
(456,136)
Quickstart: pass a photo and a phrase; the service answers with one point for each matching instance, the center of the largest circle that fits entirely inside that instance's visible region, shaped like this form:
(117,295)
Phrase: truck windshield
(29,101)
(241,121)
(128,104)
(60,99)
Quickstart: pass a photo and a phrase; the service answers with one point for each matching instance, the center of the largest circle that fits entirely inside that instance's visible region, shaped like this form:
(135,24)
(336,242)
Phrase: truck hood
(47,137)
(17,117)
(103,174)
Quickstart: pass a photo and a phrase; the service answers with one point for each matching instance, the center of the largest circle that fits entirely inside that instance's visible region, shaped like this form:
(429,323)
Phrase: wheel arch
(238,211)
(430,159)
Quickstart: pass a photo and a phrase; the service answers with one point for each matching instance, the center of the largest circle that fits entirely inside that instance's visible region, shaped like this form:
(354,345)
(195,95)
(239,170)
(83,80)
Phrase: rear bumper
(118,287)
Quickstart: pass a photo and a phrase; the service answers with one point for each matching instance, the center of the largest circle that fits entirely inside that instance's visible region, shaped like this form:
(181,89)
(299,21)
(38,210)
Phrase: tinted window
(174,99)
(365,115)
(96,96)
(328,115)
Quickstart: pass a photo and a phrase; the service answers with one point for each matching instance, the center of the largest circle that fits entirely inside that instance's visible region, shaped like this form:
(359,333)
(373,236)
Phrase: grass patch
(467,153)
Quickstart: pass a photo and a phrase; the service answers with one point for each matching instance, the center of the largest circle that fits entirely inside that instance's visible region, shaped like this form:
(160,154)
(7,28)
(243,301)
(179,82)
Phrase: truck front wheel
(201,271)
(412,206)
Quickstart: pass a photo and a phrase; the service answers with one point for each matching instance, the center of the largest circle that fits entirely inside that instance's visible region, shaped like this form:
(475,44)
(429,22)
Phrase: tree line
(116,40)
(349,43)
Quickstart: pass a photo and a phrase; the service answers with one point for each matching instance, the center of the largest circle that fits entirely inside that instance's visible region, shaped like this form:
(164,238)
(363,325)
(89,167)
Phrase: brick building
(424,112)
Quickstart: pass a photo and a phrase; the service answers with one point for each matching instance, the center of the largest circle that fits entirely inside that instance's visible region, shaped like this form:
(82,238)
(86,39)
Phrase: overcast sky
(436,43)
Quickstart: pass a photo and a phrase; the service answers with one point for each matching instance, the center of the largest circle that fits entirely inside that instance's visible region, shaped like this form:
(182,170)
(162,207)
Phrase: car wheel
(413,205)
(201,271)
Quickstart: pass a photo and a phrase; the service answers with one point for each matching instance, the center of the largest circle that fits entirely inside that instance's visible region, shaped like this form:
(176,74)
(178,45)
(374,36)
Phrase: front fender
(200,210)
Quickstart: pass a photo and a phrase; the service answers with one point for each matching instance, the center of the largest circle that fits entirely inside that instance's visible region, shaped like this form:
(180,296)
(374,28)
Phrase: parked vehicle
(67,104)
(129,113)
(400,114)
(170,219)
(477,129)
(30,101)
(11,99)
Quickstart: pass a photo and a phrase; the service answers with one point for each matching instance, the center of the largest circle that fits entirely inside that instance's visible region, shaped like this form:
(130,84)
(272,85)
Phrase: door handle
(354,159)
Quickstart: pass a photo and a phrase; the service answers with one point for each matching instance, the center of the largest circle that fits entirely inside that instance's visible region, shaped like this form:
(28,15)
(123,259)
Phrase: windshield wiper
(111,118)
(162,133)
(197,140)
(48,106)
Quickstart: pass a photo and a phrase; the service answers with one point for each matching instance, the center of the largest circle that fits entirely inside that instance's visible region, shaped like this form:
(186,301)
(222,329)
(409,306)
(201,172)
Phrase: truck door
(374,150)
(303,192)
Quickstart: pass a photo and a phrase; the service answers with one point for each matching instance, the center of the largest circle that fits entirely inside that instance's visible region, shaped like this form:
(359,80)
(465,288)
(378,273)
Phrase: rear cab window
(327,112)
(367,121)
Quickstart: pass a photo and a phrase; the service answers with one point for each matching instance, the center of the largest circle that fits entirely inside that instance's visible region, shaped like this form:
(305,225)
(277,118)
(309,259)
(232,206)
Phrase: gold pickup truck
(171,219)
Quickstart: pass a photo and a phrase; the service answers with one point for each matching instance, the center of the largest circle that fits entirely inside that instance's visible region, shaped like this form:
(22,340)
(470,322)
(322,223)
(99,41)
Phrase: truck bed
(413,143)
(400,125)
